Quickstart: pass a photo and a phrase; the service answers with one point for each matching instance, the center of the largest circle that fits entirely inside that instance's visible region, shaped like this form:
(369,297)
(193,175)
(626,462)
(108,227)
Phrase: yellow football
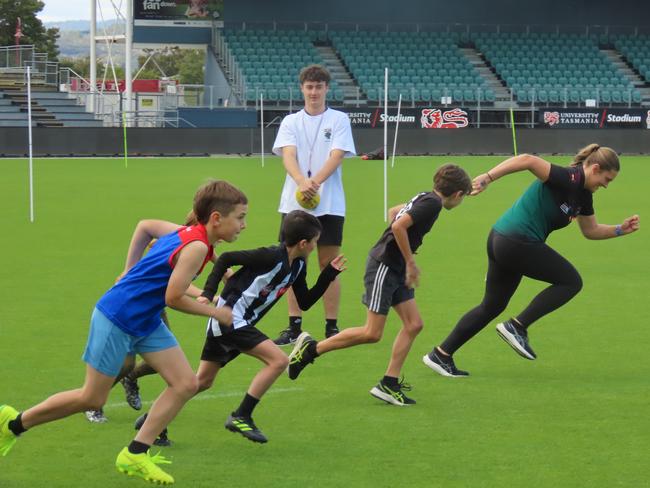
(307,203)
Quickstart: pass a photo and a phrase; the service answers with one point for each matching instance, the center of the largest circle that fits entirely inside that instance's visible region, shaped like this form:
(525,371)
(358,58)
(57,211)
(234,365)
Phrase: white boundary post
(29,131)
(385,144)
(262,124)
(399,111)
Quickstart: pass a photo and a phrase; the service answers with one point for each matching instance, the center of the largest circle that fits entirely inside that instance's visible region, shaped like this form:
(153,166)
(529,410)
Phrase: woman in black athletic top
(516,246)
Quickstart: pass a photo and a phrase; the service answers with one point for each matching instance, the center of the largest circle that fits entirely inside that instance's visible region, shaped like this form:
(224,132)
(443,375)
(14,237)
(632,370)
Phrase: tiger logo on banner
(434,118)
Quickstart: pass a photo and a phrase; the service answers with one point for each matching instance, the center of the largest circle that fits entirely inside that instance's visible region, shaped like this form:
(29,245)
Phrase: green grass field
(576,417)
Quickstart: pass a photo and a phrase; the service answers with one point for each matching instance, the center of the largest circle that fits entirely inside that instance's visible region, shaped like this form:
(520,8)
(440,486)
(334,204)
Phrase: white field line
(212,396)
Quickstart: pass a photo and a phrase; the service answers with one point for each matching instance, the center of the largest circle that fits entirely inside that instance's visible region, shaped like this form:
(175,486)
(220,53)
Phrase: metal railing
(15,56)
(14,61)
(149,118)
(228,63)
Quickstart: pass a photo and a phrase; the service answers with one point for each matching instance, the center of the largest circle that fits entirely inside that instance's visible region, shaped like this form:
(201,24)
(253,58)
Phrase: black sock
(16,425)
(295,324)
(246,407)
(390,381)
(331,324)
(138,447)
(440,353)
(518,324)
(311,349)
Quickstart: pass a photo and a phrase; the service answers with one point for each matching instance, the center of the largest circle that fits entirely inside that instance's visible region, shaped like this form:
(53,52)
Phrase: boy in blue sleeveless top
(126,320)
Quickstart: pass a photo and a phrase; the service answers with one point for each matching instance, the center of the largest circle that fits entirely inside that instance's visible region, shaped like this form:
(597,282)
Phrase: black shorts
(225,348)
(385,287)
(332,234)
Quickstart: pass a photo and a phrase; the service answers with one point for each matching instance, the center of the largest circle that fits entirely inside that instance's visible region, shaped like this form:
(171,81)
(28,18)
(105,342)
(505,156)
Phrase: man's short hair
(314,72)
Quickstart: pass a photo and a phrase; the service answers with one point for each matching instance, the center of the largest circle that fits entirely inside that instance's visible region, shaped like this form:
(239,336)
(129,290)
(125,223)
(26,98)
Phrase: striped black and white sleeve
(259,258)
(306,297)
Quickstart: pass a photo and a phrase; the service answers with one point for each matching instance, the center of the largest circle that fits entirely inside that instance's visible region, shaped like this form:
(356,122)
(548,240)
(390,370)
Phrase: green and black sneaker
(392,395)
(246,427)
(301,355)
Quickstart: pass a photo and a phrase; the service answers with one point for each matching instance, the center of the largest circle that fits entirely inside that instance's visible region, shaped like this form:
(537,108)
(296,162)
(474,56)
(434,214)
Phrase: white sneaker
(96,416)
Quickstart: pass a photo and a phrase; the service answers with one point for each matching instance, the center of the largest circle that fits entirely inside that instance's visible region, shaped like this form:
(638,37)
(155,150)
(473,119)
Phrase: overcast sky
(57,10)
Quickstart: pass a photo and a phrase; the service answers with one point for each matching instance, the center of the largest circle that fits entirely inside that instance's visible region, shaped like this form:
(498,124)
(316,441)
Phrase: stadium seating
(423,65)
(547,68)
(539,68)
(49,108)
(637,51)
(271,60)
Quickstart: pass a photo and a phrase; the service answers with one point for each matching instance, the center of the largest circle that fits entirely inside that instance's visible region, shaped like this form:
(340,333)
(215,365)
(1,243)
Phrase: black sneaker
(443,365)
(391,396)
(300,356)
(162,440)
(132,391)
(246,427)
(517,338)
(287,337)
(331,331)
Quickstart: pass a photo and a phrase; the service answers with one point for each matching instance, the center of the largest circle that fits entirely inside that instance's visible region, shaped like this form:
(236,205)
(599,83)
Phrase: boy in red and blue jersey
(127,320)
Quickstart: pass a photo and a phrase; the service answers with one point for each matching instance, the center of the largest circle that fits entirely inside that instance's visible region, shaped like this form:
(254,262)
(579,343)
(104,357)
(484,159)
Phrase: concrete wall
(108,141)
(215,78)
(510,12)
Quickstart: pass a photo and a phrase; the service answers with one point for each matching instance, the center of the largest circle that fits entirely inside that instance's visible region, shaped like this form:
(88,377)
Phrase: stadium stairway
(49,109)
(352,94)
(502,97)
(625,68)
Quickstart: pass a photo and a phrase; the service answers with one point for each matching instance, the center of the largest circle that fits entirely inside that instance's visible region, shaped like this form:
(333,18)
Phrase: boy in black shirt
(265,275)
(391,274)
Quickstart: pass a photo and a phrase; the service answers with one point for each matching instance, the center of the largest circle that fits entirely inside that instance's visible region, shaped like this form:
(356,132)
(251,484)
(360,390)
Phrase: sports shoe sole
(126,471)
(299,342)
(439,369)
(385,397)
(285,344)
(512,342)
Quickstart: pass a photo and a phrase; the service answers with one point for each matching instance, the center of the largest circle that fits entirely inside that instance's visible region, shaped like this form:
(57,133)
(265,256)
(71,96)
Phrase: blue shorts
(108,345)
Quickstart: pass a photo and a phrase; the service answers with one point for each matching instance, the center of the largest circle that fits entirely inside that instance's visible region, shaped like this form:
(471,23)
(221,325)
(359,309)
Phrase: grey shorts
(385,288)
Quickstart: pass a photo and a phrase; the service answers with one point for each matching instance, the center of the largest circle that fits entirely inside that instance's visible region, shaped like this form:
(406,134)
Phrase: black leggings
(509,260)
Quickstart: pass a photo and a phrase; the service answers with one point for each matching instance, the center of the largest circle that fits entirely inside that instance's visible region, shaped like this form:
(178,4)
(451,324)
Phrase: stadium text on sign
(596,119)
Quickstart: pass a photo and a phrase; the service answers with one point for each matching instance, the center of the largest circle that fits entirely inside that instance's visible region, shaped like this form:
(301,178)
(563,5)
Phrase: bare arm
(538,166)
(399,228)
(393,211)
(193,291)
(591,229)
(333,162)
(188,263)
(144,233)
(306,185)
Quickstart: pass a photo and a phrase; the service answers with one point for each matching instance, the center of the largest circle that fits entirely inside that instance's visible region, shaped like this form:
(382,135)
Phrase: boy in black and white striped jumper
(265,275)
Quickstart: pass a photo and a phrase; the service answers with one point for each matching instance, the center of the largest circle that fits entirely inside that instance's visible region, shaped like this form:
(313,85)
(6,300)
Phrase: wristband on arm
(618,230)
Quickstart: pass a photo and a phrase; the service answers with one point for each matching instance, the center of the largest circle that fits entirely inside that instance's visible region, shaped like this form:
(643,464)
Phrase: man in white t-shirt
(313,143)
